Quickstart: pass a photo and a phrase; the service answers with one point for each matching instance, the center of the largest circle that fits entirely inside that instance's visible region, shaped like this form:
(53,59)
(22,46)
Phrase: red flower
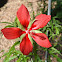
(24,18)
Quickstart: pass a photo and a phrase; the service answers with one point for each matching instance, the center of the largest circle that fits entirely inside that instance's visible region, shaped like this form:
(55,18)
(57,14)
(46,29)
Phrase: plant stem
(46,56)
(35,52)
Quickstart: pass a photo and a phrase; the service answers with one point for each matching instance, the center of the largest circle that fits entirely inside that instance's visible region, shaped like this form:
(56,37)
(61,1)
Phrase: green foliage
(13,53)
(10,52)
(54,27)
(52,51)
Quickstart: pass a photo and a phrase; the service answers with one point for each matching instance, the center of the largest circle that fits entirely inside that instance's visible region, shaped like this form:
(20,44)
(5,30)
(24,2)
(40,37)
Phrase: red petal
(12,33)
(41,39)
(41,21)
(23,16)
(26,45)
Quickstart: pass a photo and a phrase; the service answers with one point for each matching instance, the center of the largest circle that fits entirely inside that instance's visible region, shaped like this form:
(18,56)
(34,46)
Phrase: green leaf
(57,25)
(39,60)
(54,50)
(49,30)
(6,22)
(58,59)
(8,26)
(13,47)
(5,54)
(18,52)
(1,51)
(13,57)
(52,27)
(44,29)
(19,59)
(50,37)
(22,58)
(51,52)
(57,30)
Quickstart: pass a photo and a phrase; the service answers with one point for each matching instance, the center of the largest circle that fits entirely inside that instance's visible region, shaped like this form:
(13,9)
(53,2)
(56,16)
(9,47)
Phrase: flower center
(27,31)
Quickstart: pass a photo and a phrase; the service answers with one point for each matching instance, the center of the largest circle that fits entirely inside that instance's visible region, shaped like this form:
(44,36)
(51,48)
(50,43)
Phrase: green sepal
(20,25)
(35,31)
(15,22)
(30,38)
(31,22)
(22,36)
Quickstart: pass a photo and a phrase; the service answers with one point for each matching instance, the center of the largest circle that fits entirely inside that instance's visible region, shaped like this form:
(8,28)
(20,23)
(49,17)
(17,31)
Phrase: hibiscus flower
(24,19)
